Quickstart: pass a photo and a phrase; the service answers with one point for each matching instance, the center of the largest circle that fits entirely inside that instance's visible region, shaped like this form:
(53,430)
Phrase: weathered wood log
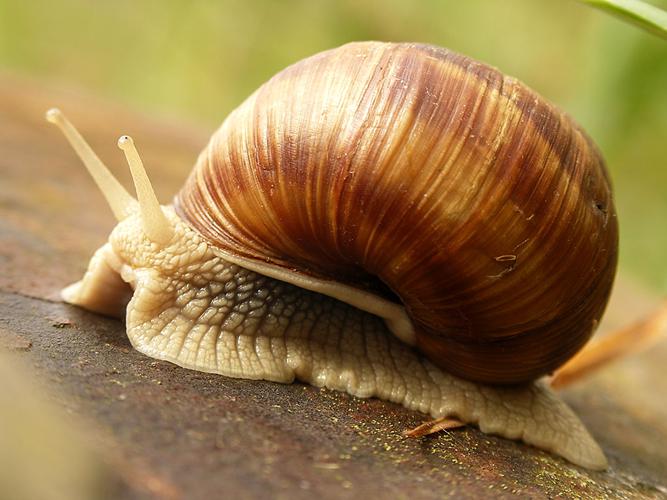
(175,433)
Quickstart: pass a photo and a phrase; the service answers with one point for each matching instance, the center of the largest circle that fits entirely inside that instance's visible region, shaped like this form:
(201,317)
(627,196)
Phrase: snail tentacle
(154,221)
(101,289)
(121,202)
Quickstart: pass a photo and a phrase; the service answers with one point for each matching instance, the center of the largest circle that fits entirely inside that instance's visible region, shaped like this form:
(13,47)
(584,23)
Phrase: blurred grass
(200,59)
(639,12)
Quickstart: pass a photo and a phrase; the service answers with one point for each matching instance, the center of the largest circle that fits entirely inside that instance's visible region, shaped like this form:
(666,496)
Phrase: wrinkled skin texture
(194,308)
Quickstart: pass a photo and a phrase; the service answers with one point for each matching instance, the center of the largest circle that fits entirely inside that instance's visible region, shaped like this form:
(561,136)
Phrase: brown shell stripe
(484,208)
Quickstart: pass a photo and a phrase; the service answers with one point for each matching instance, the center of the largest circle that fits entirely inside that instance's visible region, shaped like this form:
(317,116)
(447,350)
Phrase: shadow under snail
(389,220)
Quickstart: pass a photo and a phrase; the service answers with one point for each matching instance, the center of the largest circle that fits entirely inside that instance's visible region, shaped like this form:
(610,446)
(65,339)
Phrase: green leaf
(649,17)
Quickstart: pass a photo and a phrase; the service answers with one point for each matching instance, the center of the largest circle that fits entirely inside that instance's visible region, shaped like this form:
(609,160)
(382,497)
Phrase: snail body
(390,220)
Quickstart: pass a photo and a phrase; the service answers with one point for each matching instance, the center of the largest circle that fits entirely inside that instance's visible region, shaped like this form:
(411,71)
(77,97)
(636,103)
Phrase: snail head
(148,237)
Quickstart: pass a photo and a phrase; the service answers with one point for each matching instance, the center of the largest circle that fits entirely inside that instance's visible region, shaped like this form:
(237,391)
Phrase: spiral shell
(429,178)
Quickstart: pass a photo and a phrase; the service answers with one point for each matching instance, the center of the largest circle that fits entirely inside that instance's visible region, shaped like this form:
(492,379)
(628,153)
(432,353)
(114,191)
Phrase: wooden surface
(166,432)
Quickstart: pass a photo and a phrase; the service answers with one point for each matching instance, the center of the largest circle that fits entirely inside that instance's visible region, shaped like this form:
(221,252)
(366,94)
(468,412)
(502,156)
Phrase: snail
(386,219)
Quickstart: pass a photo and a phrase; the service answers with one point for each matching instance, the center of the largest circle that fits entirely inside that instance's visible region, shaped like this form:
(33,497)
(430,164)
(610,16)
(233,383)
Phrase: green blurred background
(199,59)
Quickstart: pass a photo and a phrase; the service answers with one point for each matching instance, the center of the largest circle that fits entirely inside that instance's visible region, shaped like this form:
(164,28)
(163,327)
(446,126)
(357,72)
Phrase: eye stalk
(121,202)
(155,223)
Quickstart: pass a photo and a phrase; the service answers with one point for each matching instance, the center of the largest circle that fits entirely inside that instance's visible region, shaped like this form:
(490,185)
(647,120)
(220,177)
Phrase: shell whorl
(414,169)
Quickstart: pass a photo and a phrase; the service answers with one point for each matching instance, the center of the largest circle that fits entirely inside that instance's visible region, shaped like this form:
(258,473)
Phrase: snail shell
(427,178)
